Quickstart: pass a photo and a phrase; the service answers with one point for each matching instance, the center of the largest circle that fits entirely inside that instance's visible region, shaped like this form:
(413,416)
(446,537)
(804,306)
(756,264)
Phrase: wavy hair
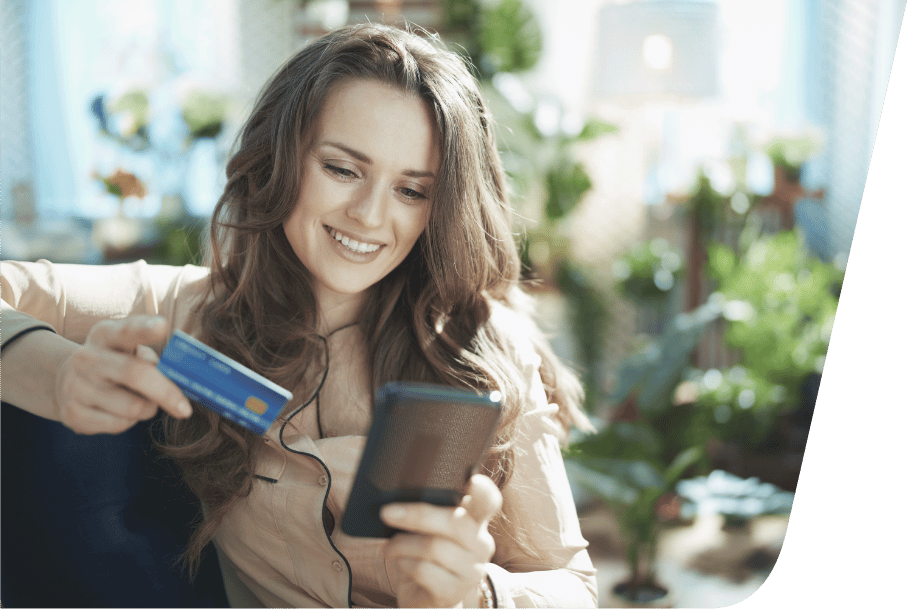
(428,320)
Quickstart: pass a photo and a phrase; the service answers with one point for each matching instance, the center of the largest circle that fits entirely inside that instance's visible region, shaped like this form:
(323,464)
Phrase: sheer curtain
(74,51)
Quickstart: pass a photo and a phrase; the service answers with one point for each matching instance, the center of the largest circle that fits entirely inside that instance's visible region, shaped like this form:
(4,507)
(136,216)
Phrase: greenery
(124,119)
(789,151)
(496,37)
(636,460)
(620,465)
(784,303)
(649,271)
(204,113)
(706,205)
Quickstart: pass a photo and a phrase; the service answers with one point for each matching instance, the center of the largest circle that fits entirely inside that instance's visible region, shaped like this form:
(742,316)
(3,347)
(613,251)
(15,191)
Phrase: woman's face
(366,189)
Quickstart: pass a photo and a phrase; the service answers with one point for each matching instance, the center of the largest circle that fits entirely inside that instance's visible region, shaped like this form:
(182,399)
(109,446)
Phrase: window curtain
(75,51)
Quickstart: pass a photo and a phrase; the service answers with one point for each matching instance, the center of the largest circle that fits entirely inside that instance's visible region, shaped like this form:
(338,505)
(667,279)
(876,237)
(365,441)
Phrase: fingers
(127,334)
(444,554)
(147,354)
(112,381)
(427,584)
(431,571)
(134,374)
(441,551)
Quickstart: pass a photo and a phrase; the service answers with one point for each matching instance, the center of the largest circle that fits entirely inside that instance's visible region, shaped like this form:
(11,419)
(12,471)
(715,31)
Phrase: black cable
(309,401)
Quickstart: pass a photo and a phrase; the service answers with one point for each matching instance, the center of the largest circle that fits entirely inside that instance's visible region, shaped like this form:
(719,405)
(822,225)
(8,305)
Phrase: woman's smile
(353,248)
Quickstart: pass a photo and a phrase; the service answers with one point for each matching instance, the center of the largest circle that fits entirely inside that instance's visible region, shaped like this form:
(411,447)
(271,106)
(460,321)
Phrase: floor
(703,564)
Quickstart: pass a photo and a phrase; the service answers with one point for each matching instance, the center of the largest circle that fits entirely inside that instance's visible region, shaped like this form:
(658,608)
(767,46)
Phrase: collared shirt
(284,540)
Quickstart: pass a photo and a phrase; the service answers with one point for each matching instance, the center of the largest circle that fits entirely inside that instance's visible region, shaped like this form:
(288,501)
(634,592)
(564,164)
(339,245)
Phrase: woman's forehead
(381,122)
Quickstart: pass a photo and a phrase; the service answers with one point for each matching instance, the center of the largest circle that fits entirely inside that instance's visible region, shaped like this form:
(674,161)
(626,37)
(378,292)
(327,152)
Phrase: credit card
(222,385)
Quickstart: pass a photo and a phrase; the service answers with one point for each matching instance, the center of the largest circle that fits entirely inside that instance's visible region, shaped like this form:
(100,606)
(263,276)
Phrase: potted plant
(633,487)
(632,464)
(789,151)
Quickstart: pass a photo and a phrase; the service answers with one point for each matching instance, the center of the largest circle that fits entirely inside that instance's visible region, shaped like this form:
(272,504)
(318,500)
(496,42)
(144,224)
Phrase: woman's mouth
(351,244)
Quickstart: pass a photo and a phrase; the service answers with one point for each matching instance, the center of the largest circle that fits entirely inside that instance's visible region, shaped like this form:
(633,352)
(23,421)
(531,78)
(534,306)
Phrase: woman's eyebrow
(359,156)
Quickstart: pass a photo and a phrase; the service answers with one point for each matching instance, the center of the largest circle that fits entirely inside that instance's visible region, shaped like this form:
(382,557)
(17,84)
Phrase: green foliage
(565,184)
(787,306)
(510,36)
(706,205)
(205,114)
(791,151)
(501,36)
(587,319)
(783,304)
(632,464)
(179,243)
(596,128)
(740,405)
(654,374)
(649,271)
(621,466)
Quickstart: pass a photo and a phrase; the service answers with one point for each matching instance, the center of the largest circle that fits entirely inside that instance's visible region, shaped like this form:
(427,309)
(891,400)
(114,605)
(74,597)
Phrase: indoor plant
(785,304)
(634,462)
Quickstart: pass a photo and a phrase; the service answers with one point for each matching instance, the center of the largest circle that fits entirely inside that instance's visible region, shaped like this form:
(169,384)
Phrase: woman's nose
(369,208)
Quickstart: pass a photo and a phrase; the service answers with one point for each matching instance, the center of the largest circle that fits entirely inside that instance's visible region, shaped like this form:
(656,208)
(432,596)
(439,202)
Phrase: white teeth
(353,245)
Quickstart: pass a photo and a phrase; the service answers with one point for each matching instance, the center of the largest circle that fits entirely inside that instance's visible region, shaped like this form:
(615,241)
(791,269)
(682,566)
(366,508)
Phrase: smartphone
(424,444)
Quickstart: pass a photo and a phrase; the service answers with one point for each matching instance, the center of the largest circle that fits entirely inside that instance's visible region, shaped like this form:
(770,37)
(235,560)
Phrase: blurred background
(686,176)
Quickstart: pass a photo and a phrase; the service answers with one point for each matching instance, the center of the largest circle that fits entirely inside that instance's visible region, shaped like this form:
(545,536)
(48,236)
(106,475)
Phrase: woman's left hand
(439,557)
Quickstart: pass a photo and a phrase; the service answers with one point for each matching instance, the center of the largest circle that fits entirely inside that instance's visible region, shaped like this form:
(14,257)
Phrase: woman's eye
(411,194)
(340,172)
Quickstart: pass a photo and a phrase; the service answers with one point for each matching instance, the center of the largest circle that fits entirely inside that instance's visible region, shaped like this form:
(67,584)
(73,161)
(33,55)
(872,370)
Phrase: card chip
(256,405)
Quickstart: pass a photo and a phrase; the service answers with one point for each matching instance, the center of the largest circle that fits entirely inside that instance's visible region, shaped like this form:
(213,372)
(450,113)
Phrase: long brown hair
(428,320)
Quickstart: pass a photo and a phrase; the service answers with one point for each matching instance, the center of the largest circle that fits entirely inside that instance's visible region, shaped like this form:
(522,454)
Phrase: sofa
(94,521)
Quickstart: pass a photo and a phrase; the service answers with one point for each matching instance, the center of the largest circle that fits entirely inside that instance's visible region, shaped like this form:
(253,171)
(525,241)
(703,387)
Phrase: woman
(363,237)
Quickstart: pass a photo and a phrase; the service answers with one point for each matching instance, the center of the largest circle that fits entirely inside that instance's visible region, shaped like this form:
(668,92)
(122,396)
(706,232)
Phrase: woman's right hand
(112,382)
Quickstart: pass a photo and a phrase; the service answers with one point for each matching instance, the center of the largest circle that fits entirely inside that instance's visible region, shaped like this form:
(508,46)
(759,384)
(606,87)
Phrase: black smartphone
(424,444)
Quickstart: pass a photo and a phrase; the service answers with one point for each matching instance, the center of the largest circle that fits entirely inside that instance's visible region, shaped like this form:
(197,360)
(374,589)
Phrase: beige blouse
(278,539)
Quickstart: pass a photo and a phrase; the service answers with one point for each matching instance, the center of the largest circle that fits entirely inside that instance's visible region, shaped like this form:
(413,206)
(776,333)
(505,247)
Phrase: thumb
(483,499)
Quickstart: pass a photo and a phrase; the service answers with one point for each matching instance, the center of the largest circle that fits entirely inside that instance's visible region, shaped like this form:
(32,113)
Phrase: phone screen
(425,443)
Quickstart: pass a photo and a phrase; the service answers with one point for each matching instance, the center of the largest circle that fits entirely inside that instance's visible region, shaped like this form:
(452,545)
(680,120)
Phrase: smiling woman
(365,223)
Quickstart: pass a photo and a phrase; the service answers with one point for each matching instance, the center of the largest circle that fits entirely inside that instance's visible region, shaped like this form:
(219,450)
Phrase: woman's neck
(338,311)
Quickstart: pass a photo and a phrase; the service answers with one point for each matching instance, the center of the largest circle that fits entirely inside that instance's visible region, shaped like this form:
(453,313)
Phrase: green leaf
(510,36)
(621,440)
(604,486)
(566,184)
(596,128)
(680,463)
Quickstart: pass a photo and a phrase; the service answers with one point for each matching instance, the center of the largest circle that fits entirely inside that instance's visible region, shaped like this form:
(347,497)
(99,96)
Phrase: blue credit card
(222,385)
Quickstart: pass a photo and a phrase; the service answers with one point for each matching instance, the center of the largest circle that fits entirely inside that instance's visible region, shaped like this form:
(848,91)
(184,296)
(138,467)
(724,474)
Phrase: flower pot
(649,595)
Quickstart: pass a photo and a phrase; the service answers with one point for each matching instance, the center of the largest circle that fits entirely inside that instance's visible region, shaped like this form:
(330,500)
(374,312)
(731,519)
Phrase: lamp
(652,50)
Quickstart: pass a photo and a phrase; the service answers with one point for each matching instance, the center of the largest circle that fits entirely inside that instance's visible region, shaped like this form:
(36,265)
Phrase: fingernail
(186,408)
(154,323)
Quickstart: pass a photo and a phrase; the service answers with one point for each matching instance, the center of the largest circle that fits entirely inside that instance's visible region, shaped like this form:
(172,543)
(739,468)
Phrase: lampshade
(657,50)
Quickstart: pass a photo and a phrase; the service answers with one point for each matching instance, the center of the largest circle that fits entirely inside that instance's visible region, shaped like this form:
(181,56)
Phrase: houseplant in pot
(633,486)
(634,462)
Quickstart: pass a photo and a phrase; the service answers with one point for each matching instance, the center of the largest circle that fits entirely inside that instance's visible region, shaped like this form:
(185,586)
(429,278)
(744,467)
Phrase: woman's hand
(439,558)
(111,382)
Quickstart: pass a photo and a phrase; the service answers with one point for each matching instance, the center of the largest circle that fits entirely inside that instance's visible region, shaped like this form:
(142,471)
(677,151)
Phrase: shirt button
(337,566)
(323,481)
